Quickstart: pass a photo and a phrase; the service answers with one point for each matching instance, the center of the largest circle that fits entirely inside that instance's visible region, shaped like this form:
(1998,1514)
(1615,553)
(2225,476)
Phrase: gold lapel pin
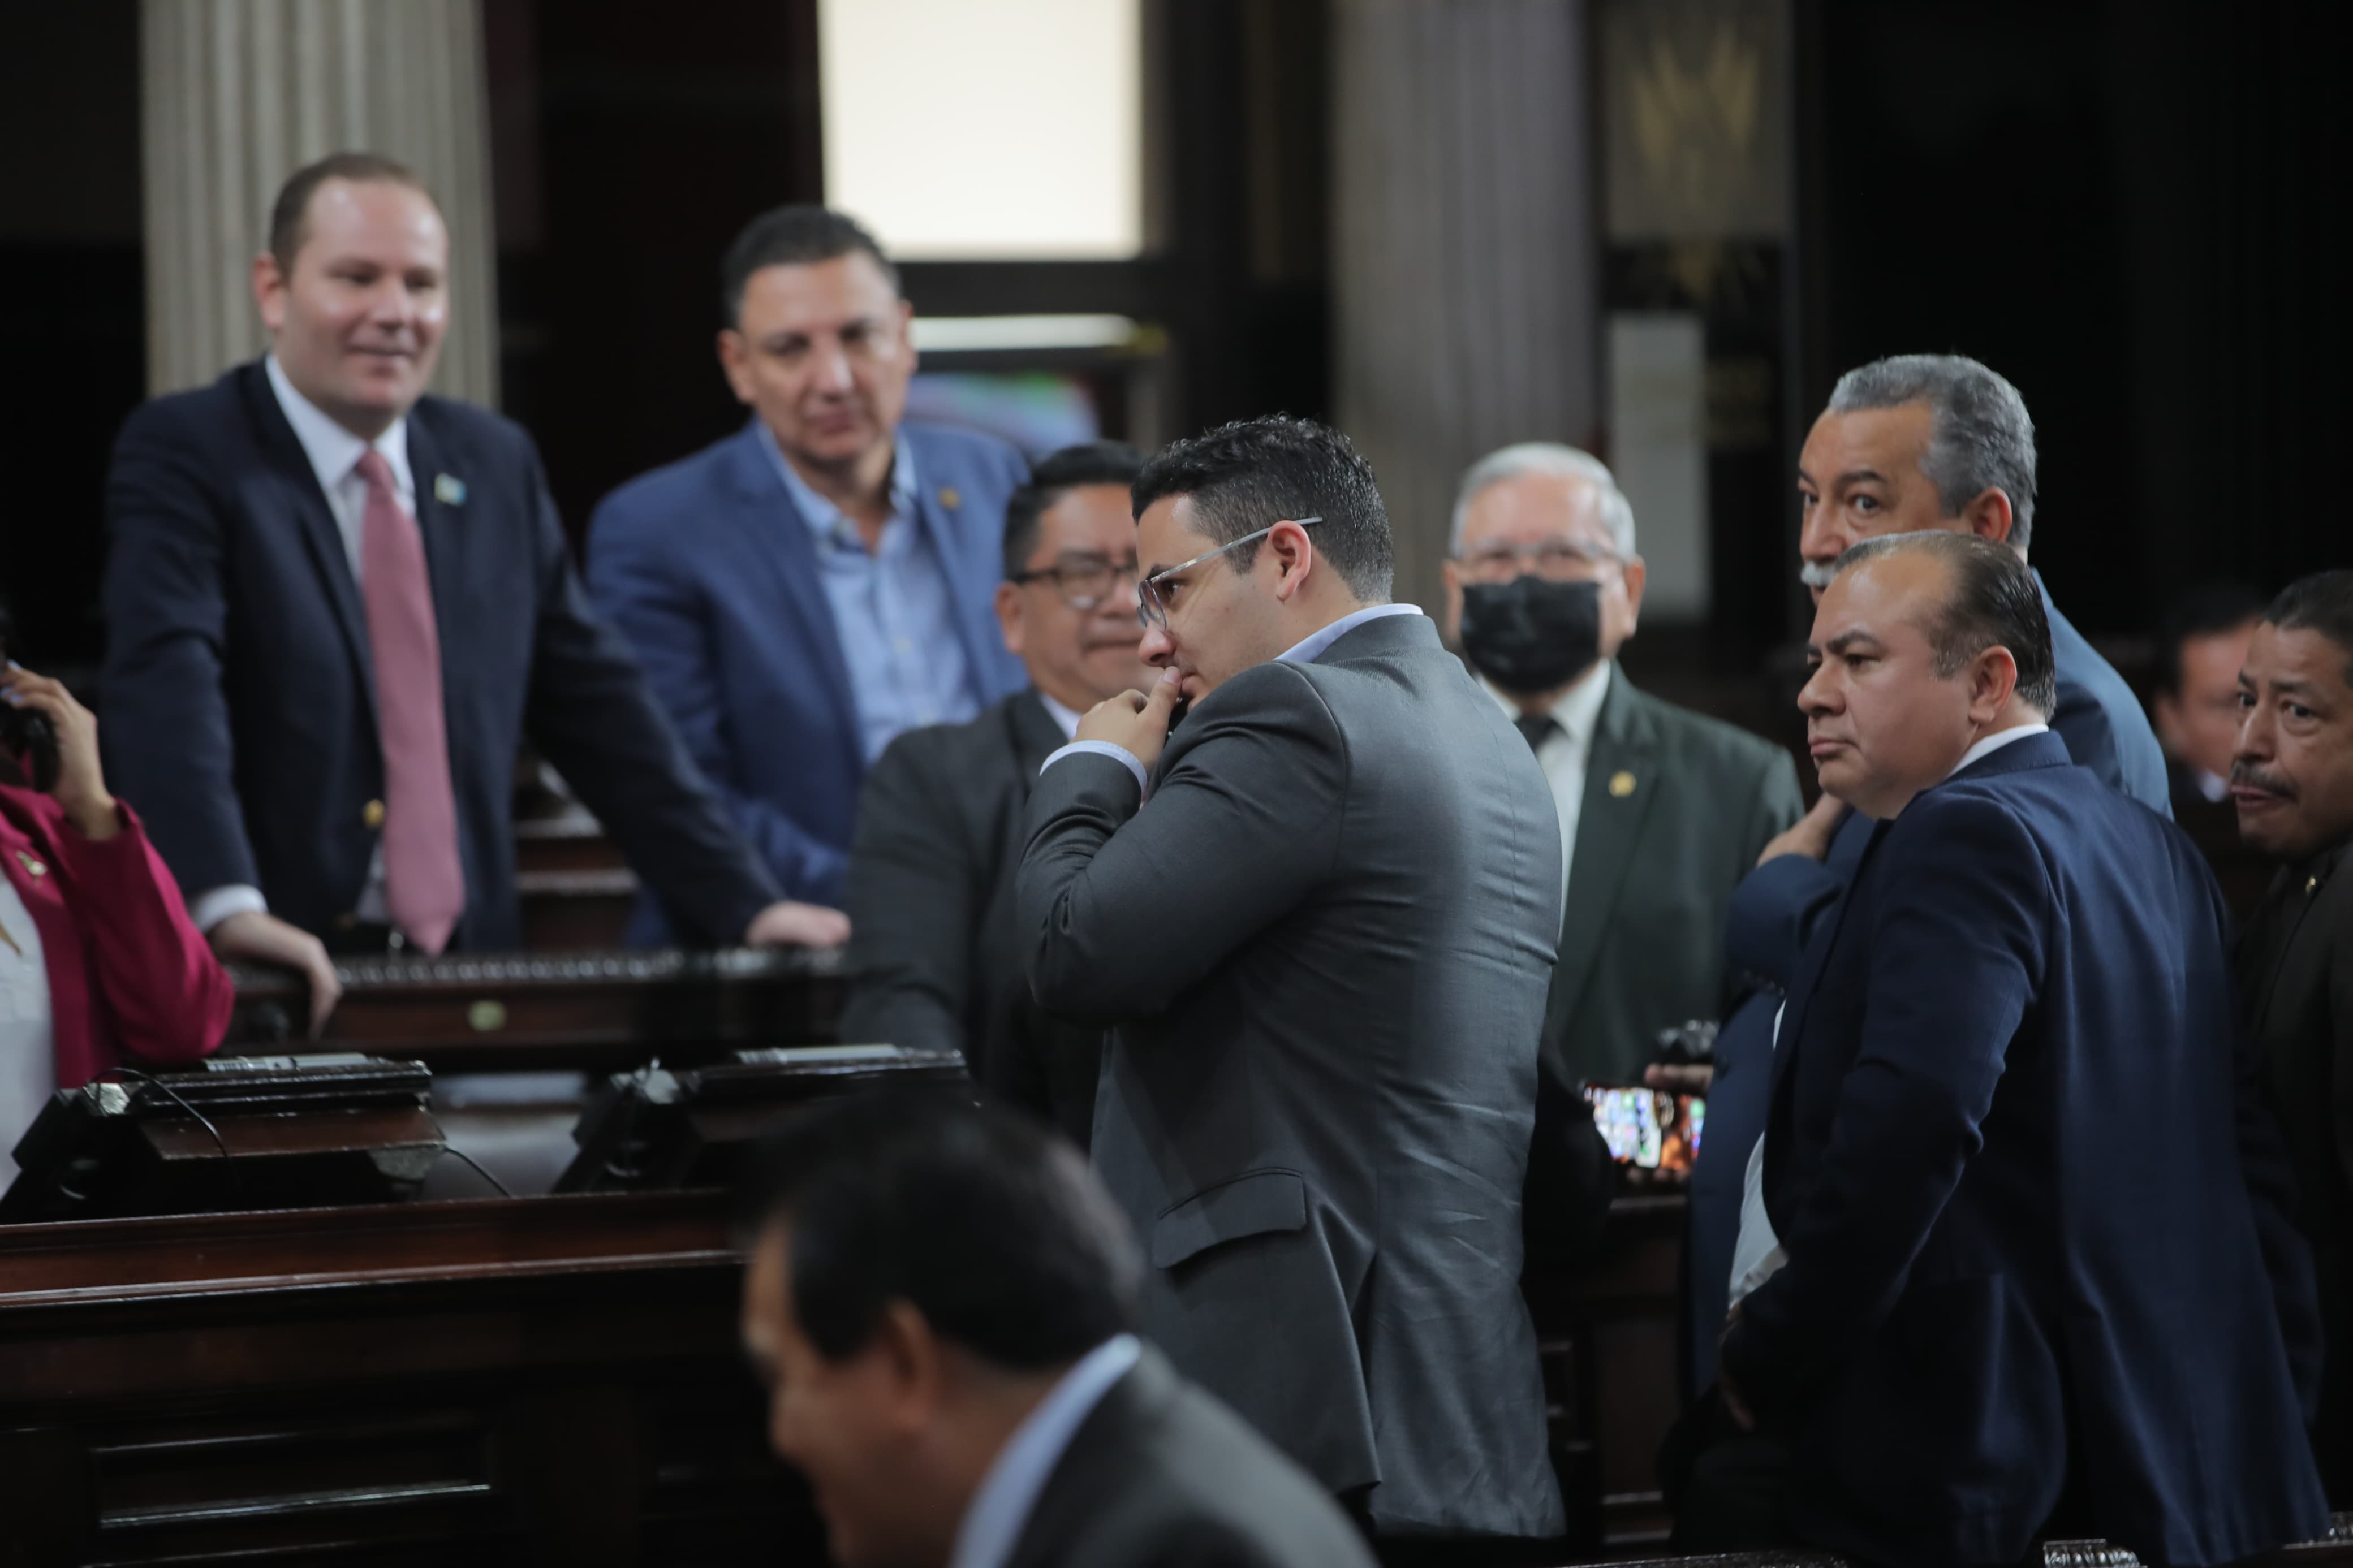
(448,490)
(1621,784)
(950,497)
(32,867)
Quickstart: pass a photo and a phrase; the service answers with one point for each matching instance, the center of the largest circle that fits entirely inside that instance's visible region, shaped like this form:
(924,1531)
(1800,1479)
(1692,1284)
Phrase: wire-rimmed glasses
(1152,604)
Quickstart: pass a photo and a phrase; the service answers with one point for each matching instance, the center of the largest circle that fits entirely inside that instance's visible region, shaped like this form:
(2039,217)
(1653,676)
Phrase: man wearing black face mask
(1662,810)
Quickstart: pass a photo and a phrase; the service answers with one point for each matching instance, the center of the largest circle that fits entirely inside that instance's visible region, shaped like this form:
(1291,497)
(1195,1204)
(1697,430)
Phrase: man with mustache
(2015,1258)
(2292,780)
(336,605)
(935,961)
(808,588)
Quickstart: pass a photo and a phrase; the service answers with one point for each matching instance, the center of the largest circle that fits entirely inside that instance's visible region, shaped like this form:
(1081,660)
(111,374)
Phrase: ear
(1294,557)
(911,1366)
(735,359)
(1008,616)
(1989,516)
(1992,677)
(907,332)
(1453,574)
(1635,575)
(268,290)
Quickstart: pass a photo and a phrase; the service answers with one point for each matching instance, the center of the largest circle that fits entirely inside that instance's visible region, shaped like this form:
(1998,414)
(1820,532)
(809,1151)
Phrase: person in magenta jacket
(97,958)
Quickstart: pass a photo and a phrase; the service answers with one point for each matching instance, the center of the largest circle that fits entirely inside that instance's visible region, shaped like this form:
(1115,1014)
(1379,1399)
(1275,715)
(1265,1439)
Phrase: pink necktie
(423,884)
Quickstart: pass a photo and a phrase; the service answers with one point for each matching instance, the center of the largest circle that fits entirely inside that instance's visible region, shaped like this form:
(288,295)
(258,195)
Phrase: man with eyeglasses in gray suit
(1319,919)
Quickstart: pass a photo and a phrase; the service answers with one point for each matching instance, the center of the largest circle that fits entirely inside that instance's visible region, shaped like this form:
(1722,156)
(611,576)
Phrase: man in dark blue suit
(2016,1259)
(1912,443)
(809,587)
(336,607)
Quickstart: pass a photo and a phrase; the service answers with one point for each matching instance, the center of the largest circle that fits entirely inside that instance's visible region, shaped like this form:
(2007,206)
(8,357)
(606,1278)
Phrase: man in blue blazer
(1911,443)
(805,590)
(334,608)
(2017,1258)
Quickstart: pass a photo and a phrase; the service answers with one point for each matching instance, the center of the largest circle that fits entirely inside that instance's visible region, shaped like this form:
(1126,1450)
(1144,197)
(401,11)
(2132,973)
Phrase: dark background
(2121,207)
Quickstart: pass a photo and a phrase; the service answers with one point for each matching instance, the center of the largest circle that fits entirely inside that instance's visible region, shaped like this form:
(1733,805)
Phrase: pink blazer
(129,975)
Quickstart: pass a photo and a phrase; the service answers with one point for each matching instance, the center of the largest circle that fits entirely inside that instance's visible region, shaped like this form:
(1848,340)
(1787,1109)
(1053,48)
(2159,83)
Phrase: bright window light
(959,128)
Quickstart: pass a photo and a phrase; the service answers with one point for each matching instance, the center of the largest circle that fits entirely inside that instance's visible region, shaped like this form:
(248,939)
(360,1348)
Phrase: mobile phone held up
(1648,1129)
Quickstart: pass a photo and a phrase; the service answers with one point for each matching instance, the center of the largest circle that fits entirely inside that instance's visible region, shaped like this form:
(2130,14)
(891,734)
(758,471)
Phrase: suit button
(348,920)
(372,814)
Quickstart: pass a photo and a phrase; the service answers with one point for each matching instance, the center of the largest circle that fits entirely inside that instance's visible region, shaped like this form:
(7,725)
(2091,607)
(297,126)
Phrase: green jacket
(1677,808)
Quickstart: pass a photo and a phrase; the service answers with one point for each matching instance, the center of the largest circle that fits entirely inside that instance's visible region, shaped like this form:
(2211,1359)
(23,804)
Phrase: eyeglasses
(1152,600)
(1082,581)
(1559,560)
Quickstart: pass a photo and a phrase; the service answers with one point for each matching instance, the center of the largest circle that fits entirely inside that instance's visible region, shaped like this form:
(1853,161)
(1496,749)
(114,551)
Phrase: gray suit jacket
(1677,808)
(1161,1476)
(1325,945)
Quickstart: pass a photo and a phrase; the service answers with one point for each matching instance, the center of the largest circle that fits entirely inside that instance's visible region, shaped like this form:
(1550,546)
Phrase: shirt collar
(1310,648)
(334,451)
(1988,745)
(993,1522)
(1577,710)
(1065,719)
(824,517)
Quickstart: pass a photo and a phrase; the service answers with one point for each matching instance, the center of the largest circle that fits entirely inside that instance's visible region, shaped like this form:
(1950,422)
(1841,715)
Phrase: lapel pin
(949,497)
(448,490)
(32,867)
(1621,785)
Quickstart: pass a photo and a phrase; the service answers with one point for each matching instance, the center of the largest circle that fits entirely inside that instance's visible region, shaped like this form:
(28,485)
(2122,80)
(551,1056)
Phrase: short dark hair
(800,234)
(1980,437)
(1252,473)
(1994,603)
(2208,610)
(1088,463)
(985,1221)
(2321,603)
(289,215)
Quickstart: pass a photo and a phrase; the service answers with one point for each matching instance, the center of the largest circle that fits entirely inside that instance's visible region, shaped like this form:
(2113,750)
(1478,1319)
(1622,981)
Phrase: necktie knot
(375,472)
(1535,726)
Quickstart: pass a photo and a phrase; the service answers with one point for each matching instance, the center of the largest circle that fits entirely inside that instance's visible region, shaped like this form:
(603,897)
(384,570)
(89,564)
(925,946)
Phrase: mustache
(1818,573)
(2262,778)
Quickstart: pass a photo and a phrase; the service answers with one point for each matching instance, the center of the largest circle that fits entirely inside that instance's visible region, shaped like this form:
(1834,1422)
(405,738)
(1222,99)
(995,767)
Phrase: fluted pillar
(1462,246)
(237,94)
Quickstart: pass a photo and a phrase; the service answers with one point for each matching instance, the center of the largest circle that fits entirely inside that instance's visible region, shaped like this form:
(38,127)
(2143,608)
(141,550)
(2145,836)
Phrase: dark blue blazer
(1765,926)
(2037,1223)
(239,693)
(709,569)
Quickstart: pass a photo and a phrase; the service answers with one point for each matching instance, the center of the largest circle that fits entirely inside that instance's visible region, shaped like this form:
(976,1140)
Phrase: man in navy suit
(809,587)
(336,607)
(1911,443)
(2016,1259)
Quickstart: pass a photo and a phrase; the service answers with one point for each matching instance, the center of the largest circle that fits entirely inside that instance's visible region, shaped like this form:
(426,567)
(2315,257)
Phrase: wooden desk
(590,1011)
(545,1380)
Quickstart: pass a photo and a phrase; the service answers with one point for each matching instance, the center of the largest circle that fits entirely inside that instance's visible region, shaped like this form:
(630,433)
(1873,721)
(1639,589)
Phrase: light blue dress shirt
(1306,650)
(993,1522)
(894,610)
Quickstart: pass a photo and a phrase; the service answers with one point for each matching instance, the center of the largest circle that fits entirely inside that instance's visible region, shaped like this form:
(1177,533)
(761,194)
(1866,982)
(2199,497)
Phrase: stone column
(237,94)
(1463,250)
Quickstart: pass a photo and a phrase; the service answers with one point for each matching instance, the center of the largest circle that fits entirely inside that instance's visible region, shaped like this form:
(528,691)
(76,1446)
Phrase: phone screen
(1647,1128)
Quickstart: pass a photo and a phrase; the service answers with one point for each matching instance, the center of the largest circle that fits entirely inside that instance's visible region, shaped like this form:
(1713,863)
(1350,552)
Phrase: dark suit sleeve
(1957,953)
(1121,910)
(2271,1193)
(1772,911)
(637,588)
(1778,803)
(592,713)
(168,750)
(914,900)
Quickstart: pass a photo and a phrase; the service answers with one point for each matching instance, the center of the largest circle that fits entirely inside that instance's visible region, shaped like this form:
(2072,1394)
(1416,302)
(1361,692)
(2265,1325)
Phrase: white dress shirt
(1306,650)
(28,1064)
(1566,750)
(1065,719)
(1757,1254)
(993,1519)
(334,453)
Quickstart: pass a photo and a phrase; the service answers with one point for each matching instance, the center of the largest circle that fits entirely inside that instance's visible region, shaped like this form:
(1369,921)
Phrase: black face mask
(1530,633)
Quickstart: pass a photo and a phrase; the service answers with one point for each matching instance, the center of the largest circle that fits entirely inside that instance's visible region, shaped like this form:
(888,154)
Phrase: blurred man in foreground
(935,960)
(2016,1260)
(941,1299)
(2200,648)
(2292,780)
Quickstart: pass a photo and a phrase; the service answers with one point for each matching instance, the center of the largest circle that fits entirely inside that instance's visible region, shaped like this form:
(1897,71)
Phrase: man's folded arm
(1956,955)
(1121,910)
(169,746)
(592,712)
(913,905)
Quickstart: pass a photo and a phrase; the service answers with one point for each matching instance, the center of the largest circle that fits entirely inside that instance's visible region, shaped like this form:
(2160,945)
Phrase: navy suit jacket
(239,690)
(2037,1223)
(709,571)
(1766,927)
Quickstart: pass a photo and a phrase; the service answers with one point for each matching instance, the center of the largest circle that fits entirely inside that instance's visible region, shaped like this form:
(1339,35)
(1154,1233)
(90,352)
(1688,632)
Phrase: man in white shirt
(1662,810)
(940,1299)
